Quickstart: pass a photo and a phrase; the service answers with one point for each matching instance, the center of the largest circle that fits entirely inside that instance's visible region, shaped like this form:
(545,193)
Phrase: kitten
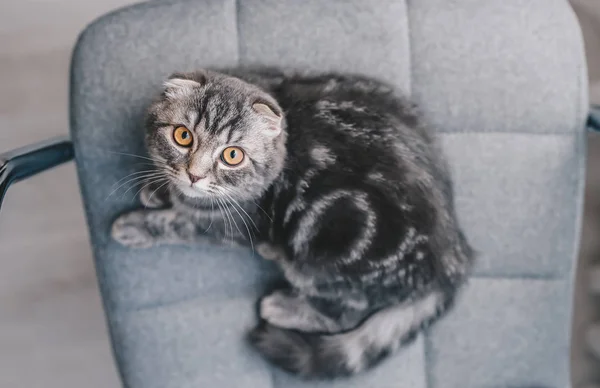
(335,178)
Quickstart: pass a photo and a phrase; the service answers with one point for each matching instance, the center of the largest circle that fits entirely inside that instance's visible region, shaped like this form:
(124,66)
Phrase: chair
(502,81)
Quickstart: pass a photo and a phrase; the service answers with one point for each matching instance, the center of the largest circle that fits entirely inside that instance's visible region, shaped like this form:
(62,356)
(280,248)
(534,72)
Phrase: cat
(336,178)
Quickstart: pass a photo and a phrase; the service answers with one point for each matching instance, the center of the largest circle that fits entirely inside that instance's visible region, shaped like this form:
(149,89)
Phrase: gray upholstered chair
(504,83)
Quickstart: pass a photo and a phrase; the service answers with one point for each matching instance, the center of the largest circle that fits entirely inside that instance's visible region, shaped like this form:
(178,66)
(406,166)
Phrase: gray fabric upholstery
(501,80)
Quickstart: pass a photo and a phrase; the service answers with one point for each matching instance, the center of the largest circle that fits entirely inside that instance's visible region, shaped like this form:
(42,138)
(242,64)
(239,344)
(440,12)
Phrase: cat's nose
(195,178)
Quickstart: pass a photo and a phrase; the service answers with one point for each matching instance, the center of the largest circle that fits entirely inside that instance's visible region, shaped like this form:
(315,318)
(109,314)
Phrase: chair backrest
(502,81)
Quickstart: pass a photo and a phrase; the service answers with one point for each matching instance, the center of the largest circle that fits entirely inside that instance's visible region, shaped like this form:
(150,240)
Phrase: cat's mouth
(192,186)
(193,191)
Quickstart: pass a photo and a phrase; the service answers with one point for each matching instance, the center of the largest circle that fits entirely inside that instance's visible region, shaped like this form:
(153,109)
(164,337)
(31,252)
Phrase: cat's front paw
(130,230)
(269,251)
(278,309)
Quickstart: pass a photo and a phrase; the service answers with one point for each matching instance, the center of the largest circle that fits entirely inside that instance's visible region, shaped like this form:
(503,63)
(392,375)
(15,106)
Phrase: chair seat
(502,82)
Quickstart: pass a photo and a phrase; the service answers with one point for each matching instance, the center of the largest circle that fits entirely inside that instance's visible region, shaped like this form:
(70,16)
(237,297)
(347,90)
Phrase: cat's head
(216,135)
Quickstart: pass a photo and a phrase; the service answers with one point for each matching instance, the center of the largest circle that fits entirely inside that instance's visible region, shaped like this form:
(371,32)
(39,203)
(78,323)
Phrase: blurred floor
(52,331)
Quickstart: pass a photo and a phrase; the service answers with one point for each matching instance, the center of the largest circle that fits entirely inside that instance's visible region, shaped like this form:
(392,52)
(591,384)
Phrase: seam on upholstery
(236,4)
(130,308)
(513,133)
(427,359)
(581,149)
(427,372)
(575,262)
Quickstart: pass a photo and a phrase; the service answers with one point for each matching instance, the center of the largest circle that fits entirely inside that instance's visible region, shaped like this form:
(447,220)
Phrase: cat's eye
(183,136)
(232,156)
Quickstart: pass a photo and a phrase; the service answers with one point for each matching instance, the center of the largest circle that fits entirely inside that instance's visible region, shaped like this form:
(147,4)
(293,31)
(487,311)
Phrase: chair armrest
(24,162)
(593,122)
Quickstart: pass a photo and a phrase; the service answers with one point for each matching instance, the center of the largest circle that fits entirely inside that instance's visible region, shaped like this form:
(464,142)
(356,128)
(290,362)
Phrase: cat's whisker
(137,178)
(134,173)
(132,155)
(155,161)
(221,212)
(212,209)
(147,184)
(144,185)
(178,193)
(152,165)
(223,217)
(158,188)
(245,224)
(231,218)
(248,229)
(263,210)
(232,191)
(234,202)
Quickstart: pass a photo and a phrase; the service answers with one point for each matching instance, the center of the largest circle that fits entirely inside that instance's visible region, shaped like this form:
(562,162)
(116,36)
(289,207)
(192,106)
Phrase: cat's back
(359,96)
(360,131)
(362,181)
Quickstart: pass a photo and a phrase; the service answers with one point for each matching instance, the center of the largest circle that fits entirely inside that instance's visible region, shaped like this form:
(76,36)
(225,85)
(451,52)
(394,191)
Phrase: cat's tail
(335,355)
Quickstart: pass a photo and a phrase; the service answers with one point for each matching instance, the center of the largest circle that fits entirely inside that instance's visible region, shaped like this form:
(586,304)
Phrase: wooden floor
(52,331)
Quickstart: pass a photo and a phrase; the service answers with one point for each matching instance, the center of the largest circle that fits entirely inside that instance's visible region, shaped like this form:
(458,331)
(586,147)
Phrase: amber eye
(183,136)
(232,156)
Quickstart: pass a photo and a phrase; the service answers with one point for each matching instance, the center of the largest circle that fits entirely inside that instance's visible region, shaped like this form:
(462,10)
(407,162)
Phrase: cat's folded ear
(183,84)
(271,114)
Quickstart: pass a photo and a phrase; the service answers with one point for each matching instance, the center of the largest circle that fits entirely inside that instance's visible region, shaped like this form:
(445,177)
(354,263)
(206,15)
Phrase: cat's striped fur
(350,196)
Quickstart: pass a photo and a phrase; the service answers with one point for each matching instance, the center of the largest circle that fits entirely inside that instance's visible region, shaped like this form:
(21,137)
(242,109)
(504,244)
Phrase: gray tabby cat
(332,176)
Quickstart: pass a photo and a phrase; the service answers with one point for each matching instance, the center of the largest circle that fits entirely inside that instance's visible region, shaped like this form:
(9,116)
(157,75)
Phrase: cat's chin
(193,193)
(193,198)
